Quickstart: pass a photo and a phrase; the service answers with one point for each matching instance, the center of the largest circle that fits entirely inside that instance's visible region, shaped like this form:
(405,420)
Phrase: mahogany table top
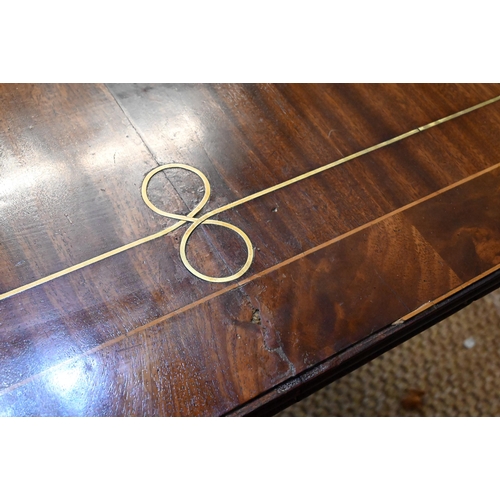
(298,231)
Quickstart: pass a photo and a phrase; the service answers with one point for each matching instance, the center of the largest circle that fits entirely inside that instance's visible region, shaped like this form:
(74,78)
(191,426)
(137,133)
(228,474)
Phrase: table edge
(341,363)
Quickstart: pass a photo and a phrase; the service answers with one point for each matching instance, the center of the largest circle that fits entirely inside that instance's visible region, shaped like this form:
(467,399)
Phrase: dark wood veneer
(339,257)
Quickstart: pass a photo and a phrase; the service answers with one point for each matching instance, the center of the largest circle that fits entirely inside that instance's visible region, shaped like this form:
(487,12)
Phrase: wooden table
(346,218)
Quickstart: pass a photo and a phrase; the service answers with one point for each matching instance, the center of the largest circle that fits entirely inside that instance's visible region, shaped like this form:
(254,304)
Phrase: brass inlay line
(432,303)
(460,113)
(206,219)
(265,272)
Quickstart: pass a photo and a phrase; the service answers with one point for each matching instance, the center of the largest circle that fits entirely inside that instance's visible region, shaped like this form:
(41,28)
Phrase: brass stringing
(207,218)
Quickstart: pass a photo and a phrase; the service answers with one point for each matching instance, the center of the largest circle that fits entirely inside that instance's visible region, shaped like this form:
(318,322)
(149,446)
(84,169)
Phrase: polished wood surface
(339,256)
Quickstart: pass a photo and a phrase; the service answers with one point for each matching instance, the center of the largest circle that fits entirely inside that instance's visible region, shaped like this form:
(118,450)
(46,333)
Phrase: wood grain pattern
(302,322)
(469,245)
(335,201)
(137,334)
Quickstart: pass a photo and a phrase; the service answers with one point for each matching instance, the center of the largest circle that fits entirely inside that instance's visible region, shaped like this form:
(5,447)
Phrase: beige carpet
(452,369)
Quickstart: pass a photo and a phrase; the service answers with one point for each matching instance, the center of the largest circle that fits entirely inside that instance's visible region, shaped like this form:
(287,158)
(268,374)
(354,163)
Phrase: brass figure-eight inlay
(196,222)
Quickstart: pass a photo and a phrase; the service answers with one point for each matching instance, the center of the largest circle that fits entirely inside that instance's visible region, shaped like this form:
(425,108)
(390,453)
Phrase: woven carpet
(452,369)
